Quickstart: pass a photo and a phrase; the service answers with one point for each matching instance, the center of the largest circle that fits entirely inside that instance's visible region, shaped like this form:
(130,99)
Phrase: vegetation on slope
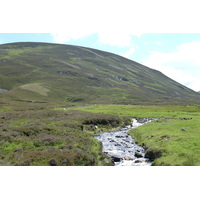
(49,72)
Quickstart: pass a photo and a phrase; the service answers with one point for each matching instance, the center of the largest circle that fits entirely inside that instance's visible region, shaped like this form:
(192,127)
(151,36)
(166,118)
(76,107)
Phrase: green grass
(4,108)
(18,123)
(164,111)
(36,88)
(177,147)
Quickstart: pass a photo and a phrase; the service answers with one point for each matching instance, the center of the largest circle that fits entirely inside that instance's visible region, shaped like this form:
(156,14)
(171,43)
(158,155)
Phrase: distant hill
(49,72)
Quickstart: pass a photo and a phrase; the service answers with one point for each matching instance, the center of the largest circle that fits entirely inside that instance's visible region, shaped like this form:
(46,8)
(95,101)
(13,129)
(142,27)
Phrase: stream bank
(121,147)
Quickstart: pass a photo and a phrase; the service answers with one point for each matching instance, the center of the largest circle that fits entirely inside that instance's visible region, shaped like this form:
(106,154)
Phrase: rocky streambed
(121,147)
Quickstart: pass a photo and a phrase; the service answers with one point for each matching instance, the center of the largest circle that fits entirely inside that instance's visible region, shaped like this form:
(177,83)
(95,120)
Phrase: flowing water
(122,148)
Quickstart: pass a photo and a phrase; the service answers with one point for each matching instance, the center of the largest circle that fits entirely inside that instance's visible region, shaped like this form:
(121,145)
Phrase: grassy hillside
(53,72)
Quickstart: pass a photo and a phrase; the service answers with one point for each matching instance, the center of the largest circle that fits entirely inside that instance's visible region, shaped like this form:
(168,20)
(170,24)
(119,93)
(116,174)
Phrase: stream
(121,147)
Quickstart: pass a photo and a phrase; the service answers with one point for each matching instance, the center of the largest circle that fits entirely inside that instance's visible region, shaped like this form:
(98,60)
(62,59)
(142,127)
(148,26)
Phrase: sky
(162,35)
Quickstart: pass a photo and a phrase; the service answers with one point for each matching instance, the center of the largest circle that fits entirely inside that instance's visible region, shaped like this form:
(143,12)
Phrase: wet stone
(137,161)
(115,159)
(121,147)
(138,155)
(119,136)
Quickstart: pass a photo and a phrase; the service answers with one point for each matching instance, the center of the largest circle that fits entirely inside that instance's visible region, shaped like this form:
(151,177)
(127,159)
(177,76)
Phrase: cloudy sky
(162,35)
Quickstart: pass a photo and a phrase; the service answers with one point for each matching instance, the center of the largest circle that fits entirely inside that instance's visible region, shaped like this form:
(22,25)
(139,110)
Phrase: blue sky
(175,54)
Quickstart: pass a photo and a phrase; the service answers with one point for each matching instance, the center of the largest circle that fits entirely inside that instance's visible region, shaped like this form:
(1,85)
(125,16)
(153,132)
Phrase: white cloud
(129,52)
(63,37)
(181,65)
(158,43)
(114,22)
(114,37)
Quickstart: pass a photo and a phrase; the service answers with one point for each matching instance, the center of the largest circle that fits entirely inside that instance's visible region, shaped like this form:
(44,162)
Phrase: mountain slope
(48,72)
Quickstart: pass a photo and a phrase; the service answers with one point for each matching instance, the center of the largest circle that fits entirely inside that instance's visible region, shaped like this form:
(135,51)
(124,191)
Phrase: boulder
(138,155)
(115,159)
(138,161)
(127,158)
(182,129)
(119,136)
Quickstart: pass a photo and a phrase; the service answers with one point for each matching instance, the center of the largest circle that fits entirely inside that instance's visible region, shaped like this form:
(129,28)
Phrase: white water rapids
(122,148)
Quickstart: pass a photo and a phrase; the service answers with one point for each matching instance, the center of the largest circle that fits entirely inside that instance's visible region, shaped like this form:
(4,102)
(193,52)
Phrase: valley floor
(48,134)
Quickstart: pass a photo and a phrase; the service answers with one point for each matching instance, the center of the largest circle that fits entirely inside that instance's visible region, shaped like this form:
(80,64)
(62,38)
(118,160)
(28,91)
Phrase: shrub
(52,162)
(9,136)
(45,140)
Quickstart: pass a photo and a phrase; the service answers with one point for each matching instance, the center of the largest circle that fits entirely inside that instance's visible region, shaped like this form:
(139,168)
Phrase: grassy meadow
(42,134)
(171,140)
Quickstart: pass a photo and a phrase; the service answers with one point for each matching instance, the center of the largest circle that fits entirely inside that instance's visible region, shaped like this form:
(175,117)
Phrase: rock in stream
(121,147)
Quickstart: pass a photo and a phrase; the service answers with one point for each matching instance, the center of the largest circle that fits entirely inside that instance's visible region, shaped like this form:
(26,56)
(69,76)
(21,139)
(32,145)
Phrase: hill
(43,72)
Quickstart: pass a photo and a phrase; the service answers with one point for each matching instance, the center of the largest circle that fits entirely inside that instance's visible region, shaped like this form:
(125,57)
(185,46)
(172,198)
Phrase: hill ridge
(83,75)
